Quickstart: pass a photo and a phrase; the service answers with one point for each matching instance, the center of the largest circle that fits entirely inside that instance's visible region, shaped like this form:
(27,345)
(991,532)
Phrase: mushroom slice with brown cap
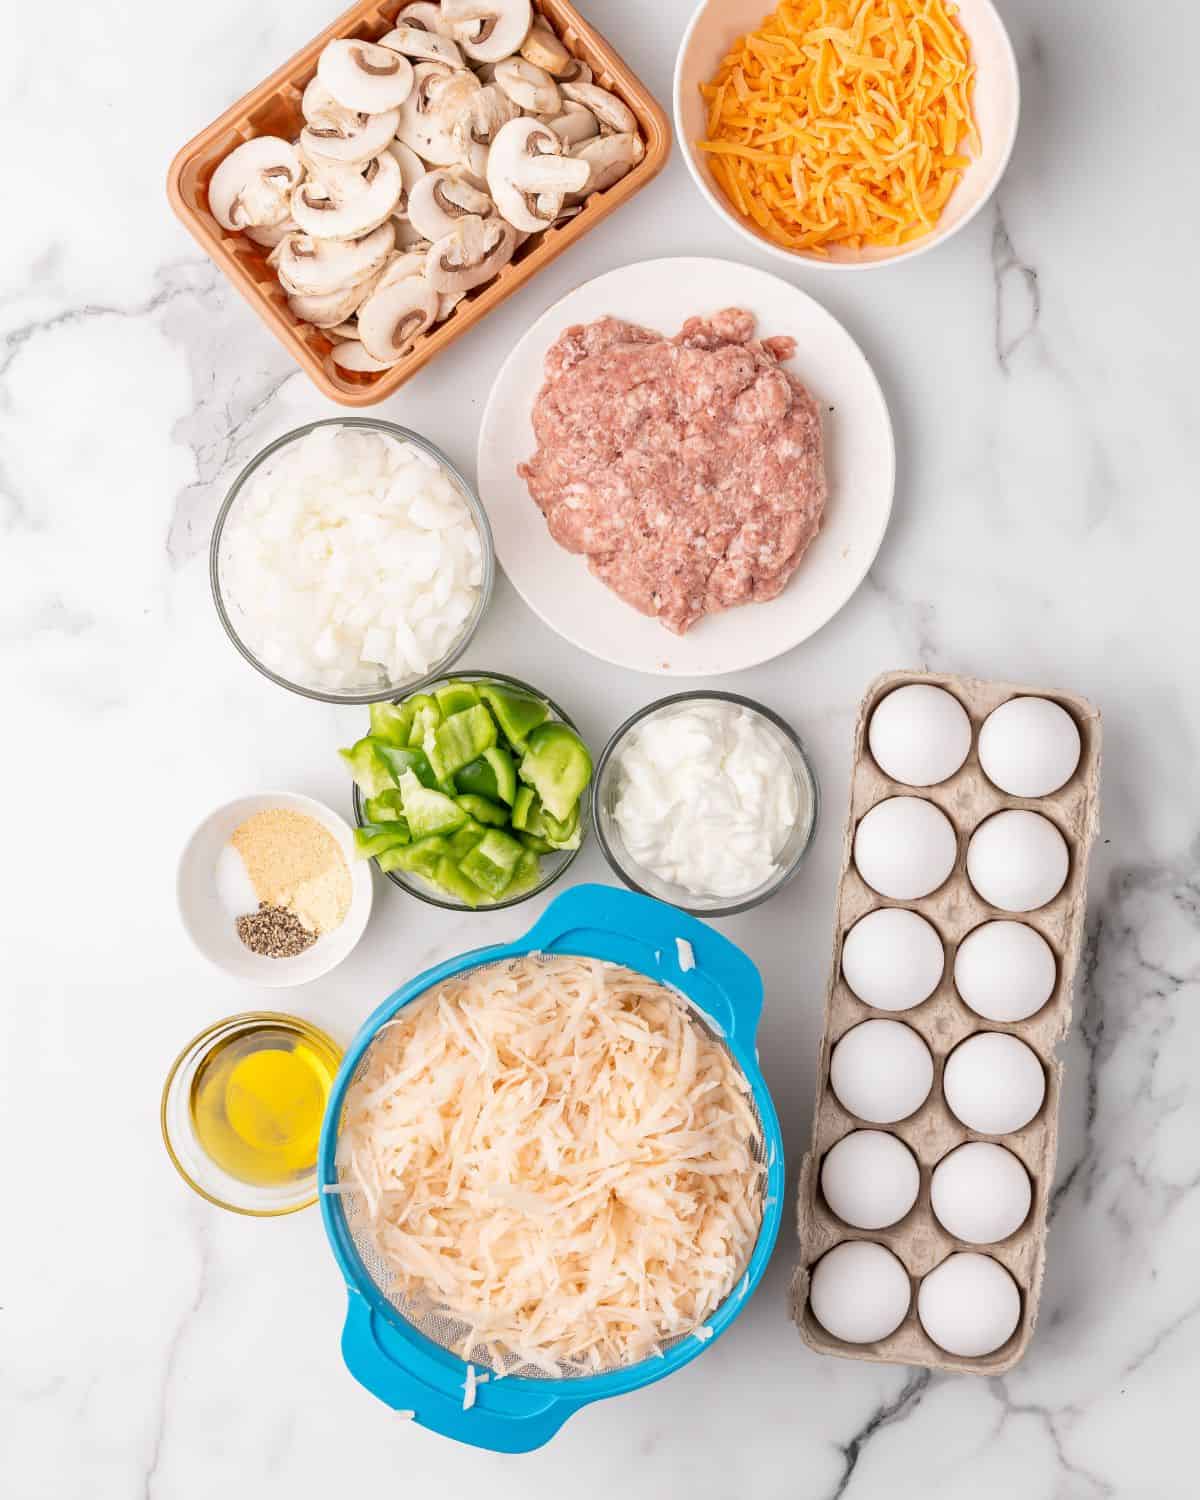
(252,186)
(612,113)
(348,205)
(574,125)
(423,45)
(609,158)
(393,316)
(365,77)
(543,48)
(424,13)
(472,253)
(269,235)
(442,198)
(576,71)
(526,163)
(427,116)
(331,308)
(488,30)
(407,263)
(475,128)
(529,87)
(346,135)
(351,354)
(311,267)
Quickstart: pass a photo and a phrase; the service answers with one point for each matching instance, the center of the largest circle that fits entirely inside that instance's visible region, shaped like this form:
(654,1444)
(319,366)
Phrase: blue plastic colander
(400,1353)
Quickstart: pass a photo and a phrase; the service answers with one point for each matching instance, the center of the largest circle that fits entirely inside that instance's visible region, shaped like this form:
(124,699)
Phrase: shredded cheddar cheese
(844,122)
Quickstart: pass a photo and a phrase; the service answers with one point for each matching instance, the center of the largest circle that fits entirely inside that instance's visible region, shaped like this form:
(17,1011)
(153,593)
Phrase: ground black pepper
(274,932)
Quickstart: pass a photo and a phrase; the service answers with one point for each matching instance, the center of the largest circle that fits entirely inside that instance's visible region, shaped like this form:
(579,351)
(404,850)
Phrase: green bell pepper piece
(483,810)
(426,716)
(460,738)
(527,874)
(493,862)
(492,775)
(558,767)
(427,811)
(536,842)
(505,771)
(388,807)
(398,760)
(420,858)
(451,878)
(559,830)
(392,722)
(516,713)
(527,811)
(374,838)
(461,843)
(368,766)
(455,696)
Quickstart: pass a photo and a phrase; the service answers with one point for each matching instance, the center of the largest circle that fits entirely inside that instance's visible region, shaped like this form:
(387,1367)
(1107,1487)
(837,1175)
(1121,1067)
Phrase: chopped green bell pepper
(483,810)
(455,696)
(461,843)
(454,880)
(399,760)
(428,812)
(558,767)
(535,842)
(527,874)
(388,807)
(461,738)
(421,858)
(527,811)
(368,767)
(493,861)
(374,838)
(516,713)
(426,716)
(392,721)
(492,775)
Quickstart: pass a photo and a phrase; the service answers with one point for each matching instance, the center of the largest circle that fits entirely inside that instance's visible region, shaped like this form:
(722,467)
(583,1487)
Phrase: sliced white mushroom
(576,71)
(574,125)
(269,235)
(529,87)
(365,77)
(444,196)
(346,330)
(345,205)
(407,234)
(348,135)
(447,302)
(488,30)
(351,354)
(409,263)
(311,267)
(423,45)
(332,308)
(472,253)
(393,316)
(424,13)
(543,48)
(474,129)
(609,158)
(252,186)
(427,116)
(526,163)
(611,112)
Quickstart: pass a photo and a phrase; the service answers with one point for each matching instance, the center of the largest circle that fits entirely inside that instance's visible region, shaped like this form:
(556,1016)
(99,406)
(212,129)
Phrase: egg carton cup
(943,1021)
(273,108)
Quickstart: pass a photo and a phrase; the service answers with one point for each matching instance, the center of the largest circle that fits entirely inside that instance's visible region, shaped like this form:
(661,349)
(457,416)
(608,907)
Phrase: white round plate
(860,462)
(210,923)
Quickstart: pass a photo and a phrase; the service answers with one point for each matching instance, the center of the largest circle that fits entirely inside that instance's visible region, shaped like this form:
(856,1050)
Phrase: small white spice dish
(205,908)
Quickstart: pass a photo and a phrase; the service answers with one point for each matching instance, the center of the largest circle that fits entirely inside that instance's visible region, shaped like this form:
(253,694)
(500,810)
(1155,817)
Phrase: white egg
(919,734)
(969,1305)
(1017,860)
(993,1083)
(893,959)
(1029,747)
(881,1071)
(859,1292)
(1005,971)
(870,1179)
(905,848)
(980,1193)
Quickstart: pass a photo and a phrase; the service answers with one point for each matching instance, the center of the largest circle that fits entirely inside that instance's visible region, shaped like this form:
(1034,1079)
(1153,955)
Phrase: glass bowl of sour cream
(705,800)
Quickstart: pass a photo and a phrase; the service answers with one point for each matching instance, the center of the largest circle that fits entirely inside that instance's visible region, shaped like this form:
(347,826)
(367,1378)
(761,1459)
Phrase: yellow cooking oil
(258,1099)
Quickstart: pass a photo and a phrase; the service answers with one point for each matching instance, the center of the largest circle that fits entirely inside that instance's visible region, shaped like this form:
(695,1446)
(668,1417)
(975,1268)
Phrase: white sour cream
(705,798)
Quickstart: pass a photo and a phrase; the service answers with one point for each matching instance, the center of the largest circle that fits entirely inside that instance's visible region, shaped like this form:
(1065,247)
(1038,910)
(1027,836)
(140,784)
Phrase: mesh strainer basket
(401,1352)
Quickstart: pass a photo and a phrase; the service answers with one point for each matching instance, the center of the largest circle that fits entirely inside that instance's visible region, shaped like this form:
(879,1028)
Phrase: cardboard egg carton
(944,1020)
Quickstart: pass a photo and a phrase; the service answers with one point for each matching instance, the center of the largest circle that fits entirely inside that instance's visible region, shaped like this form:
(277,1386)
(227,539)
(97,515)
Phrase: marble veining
(1045,530)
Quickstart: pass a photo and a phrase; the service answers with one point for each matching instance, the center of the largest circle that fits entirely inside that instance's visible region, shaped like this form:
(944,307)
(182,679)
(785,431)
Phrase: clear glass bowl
(553,865)
(189,1157)
(604,793)
(231,612)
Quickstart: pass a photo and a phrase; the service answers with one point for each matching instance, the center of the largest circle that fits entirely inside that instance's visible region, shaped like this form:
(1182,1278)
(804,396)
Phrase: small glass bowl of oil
(242,1109)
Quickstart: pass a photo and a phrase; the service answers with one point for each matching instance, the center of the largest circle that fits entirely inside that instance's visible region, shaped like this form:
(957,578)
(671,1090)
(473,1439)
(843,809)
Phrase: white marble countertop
(1045,530)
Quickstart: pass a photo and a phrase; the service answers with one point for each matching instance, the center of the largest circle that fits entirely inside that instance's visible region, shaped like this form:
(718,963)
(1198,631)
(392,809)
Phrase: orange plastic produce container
(273,108)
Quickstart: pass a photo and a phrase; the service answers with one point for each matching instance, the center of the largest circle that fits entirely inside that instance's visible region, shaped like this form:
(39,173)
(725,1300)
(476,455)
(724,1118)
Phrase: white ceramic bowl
(715,27)
(209,920)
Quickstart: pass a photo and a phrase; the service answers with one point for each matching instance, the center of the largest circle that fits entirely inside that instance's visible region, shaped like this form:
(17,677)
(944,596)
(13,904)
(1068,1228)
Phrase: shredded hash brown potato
(558,1154)
(844,122)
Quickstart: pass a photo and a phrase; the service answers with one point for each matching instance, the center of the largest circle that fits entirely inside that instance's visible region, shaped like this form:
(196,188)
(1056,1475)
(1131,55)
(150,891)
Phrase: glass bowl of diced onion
(351,561)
